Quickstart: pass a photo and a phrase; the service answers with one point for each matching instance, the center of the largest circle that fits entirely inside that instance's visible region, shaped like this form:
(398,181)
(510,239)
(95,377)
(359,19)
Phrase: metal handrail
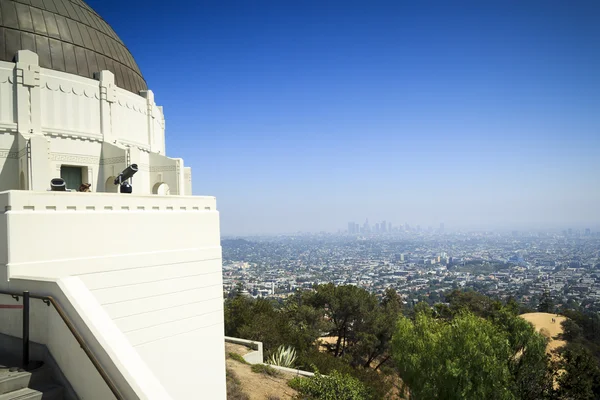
(50,300)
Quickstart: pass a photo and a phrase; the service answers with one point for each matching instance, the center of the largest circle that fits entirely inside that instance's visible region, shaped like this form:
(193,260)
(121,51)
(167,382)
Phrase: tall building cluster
(387,227)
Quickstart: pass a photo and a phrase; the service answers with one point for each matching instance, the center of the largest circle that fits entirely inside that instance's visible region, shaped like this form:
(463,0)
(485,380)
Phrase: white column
(161,135)
(149,96)
(27,86)
(40,165)
(29,121)
(108,95)
(180,172)
(188,181)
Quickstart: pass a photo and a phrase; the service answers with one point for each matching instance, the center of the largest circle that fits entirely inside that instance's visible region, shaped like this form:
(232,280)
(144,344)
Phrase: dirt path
(256,385)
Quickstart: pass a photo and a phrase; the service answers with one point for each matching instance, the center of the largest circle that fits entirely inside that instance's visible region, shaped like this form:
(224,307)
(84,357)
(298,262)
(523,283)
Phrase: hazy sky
(304,115)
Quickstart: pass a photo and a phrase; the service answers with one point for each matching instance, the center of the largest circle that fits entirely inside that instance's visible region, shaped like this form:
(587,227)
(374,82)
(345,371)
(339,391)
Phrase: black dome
(68,36)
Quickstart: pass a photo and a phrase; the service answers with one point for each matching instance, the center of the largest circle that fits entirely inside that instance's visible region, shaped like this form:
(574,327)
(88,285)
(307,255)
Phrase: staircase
(36,384)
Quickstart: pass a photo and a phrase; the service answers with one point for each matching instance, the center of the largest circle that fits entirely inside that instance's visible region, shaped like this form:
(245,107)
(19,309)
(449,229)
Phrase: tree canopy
(471,347)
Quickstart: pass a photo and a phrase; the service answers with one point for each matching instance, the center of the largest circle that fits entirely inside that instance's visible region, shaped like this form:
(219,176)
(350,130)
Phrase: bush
(325,363)
(376,383)
(237,357)
(264,369)
(332,387)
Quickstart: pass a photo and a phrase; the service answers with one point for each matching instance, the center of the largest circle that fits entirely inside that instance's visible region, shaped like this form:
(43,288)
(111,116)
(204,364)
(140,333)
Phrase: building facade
(138,274)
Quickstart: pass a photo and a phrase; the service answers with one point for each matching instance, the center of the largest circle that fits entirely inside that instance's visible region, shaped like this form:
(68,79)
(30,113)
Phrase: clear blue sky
(304,115)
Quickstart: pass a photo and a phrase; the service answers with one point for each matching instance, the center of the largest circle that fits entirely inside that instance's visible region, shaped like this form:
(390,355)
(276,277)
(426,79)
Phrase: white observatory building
(126,288)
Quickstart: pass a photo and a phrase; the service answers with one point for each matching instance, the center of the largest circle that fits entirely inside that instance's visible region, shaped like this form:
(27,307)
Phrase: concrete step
(52,392)
(12,379)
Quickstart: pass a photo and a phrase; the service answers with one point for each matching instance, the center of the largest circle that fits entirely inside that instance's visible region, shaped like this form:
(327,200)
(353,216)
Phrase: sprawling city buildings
(421,265)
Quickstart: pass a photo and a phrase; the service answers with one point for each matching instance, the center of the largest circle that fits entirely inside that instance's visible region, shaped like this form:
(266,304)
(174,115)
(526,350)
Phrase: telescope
(58,185)
(126,174)
(121,180)
(126,187)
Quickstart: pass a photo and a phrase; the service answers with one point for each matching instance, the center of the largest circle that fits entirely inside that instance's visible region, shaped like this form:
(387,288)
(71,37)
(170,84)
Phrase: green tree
(348,308)
(466,358)
(305,323)
(512,305)
(473,302)
(528,365)
(580,379)
(580,358)
(238,312)
(546,304)
(374,334)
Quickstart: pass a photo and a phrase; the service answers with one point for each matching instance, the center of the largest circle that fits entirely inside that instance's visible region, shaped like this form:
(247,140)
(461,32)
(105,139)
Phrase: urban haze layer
(421,265)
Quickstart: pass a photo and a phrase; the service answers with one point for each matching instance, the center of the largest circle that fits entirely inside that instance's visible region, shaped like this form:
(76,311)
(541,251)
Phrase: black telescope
(126,174)
(126,188)
(58,185)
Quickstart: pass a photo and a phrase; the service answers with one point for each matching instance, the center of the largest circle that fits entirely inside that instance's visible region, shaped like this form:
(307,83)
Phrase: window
(72,176)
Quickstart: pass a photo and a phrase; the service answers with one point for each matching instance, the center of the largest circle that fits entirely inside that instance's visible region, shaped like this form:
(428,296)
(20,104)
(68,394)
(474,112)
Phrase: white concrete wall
(153,263)
(130,119)
(167,170)
(112,161)
(253,357)
(70,105)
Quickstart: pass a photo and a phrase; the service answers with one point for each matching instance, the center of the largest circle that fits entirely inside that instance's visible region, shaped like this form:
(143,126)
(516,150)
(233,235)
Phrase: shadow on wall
(109,186)
(161,188)
(9,165)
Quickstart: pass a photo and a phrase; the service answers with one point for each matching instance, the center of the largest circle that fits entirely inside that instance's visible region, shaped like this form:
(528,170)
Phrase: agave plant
(283,357)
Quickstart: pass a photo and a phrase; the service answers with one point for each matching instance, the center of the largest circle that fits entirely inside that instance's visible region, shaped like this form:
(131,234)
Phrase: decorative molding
(75,158)
(73,135)
(89,92)
(8,128)
(112,160)
(142,109)
(7,153)
(163,168)
(28,74)
(6,78)
(127,143)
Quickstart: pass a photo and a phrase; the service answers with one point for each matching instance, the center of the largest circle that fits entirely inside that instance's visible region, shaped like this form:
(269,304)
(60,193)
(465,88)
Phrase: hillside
(255,386)
(544,325)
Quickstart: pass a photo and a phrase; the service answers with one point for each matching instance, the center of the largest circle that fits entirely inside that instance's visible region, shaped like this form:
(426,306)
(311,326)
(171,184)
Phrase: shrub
(323,362)
(377,384)
(283,357)
(264,369)
(332,387)
(237,357)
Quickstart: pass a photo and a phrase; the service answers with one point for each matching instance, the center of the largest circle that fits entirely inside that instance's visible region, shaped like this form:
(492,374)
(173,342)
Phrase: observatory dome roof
(68,36)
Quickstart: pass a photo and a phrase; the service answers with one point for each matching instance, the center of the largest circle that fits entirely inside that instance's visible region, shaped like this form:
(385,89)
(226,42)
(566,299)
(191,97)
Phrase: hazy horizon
(305,116)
